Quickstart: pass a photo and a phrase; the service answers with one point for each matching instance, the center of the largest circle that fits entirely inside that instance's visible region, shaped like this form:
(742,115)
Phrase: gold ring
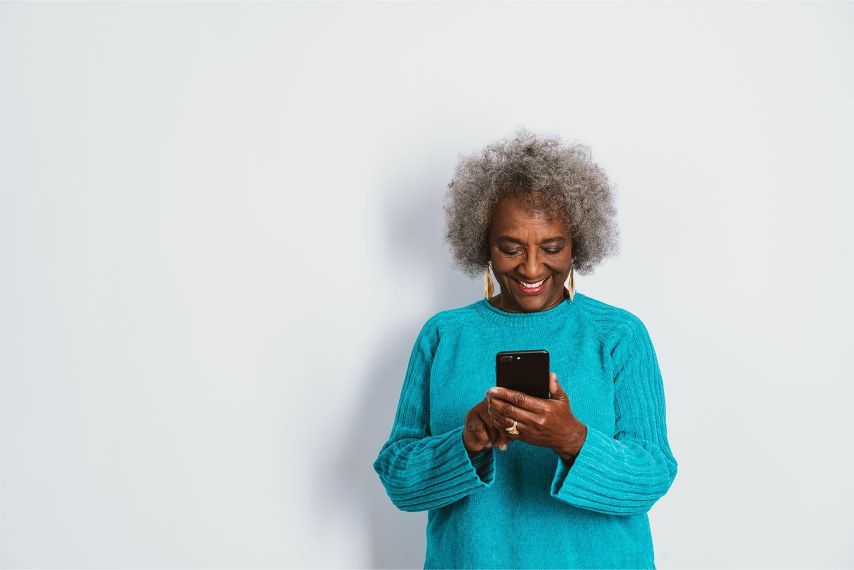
(512,429)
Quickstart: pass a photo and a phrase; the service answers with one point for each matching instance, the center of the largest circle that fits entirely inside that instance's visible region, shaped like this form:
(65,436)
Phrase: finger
(502,424)
(519,399)
(556,389)
(495,419)
(491,430)
(501,409)
(477,427)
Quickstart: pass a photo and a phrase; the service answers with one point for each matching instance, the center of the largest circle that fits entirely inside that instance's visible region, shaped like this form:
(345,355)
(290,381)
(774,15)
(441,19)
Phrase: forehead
(511,217)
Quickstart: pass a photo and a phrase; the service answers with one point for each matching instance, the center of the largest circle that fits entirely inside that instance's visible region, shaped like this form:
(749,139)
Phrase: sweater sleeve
(625,474)
(420,470)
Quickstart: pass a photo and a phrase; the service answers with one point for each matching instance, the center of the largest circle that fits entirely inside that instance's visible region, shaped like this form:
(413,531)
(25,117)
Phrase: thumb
(556,389)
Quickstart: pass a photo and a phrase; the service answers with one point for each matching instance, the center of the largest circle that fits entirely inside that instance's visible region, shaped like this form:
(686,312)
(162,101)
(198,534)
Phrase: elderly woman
(512,480)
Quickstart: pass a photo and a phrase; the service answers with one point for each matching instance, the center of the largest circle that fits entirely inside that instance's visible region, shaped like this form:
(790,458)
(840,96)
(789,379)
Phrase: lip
(525,291)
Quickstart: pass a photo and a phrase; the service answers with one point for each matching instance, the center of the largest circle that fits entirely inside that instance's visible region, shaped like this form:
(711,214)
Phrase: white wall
(221,230)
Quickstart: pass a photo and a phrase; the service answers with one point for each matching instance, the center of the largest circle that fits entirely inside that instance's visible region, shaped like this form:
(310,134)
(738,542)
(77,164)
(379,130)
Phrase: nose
(532,267)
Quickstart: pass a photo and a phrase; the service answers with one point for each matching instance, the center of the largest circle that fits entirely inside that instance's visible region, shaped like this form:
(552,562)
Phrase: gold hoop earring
(570,285)
(487,284)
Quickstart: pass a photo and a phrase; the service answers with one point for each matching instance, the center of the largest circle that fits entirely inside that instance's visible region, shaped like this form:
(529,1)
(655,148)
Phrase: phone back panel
(523,370)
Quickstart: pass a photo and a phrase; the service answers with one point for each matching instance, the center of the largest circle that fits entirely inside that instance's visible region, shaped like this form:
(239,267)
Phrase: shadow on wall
(413,223)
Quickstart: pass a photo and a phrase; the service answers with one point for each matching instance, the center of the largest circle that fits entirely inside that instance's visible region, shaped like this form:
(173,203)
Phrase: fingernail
(504,447)
(488,445)
(493,391)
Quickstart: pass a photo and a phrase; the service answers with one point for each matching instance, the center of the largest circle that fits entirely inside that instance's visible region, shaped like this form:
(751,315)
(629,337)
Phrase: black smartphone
(524,370)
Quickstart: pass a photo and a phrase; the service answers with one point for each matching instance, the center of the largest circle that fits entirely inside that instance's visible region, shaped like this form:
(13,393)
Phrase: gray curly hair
(557,180)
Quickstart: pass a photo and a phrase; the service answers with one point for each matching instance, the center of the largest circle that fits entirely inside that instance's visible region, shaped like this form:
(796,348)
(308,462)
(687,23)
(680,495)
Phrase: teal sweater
(525,507)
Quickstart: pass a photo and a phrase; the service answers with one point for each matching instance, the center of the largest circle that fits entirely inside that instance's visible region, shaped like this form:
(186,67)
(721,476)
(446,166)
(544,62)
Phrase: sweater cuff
(434,472)
(483,462)
(484,465)
(583,483)
(569,481)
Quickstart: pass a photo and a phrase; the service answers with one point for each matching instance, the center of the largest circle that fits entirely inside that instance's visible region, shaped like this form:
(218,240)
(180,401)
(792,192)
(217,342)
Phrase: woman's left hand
(540,421)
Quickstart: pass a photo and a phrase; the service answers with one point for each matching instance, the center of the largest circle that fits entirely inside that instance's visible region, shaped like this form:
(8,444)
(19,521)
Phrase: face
(526,246)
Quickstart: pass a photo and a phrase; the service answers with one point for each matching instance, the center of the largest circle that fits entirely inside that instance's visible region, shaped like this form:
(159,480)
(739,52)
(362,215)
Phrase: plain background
(221,230)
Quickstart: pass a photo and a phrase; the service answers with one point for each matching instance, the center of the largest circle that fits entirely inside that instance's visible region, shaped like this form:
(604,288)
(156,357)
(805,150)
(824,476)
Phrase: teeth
(532,285)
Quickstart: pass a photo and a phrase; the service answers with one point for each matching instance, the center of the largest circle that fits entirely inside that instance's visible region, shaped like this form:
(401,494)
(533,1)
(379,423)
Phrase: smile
(529,288)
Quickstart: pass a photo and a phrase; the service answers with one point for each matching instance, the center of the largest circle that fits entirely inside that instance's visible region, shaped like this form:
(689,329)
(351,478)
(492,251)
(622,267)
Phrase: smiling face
(525,245)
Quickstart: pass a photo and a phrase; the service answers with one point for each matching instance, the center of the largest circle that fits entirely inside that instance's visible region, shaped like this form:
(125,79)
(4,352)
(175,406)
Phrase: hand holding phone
(545,420)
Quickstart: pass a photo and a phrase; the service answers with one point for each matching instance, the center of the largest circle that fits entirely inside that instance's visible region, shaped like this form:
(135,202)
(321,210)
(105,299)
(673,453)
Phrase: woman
(511,480)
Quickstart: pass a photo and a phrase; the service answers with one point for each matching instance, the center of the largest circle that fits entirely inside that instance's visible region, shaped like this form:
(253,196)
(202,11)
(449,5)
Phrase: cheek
(501,274)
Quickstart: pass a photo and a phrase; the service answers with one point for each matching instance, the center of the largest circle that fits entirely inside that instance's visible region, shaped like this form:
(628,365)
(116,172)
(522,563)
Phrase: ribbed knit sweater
(526,507)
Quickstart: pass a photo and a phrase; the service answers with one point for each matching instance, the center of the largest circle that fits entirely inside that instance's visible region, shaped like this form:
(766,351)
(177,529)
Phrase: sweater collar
(554,314)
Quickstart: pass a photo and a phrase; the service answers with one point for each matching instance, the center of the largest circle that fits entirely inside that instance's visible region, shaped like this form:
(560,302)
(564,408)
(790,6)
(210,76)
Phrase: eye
(511,252)
(552,251)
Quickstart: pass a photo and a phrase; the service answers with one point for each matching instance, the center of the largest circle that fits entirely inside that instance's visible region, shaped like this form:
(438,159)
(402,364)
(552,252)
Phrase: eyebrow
(514,240)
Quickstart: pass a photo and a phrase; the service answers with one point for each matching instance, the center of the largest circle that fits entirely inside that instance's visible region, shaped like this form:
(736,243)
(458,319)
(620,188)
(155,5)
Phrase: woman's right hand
(480,433)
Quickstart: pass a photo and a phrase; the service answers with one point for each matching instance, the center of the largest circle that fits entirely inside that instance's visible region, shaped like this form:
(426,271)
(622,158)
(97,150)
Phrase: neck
(497,301)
